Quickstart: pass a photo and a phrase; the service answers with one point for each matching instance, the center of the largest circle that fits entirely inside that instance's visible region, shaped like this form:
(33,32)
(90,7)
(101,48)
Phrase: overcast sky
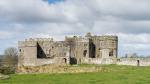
(129,19)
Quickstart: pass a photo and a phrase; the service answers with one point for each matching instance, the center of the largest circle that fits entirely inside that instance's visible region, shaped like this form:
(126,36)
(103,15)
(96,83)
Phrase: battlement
(78,39)
(33,41)
(86,38)
(39,39)
(106,37)
(27,43)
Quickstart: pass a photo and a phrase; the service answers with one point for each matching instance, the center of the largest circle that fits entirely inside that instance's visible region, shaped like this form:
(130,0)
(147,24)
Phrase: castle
(73,50)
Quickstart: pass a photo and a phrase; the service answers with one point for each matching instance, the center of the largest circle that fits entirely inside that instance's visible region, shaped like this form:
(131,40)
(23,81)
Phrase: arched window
(64,60)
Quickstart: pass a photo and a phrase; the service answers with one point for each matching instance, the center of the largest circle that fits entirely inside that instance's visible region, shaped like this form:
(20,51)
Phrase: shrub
(7,70)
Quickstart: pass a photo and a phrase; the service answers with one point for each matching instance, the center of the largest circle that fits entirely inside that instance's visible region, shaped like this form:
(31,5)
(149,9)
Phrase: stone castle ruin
(73,50)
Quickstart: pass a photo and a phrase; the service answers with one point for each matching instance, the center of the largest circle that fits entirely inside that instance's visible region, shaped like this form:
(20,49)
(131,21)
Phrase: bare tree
(10,56)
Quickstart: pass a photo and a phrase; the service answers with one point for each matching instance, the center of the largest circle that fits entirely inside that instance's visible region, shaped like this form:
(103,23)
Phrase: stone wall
(122,61)
(81,49)
(99,61)
(36,52)
(44,61)
(59,69)
(134,61)
(98,47)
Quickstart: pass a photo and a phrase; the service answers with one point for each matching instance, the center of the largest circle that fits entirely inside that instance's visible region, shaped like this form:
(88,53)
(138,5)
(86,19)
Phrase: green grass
(114,75)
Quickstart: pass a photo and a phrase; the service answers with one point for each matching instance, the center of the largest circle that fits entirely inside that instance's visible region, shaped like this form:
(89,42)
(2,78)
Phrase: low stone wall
(64,68)
(134,61)
(44,61)
(99,61)
(40,62)
(122,61)
(59,69)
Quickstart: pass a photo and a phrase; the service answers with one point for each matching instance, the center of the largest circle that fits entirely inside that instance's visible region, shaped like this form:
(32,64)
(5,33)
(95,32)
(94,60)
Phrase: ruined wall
(134,61)
(95,42)
(51,49)
(45,48)
(99,61)
(40,51)
(106,46)
(81,49)
(36,52)
(103,46)
(94,47)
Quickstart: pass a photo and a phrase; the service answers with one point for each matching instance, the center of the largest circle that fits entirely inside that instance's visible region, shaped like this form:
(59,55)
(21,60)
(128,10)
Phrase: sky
(128,19)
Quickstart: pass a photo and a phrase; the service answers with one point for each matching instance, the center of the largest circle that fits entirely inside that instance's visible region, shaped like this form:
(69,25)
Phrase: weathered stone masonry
(74,50)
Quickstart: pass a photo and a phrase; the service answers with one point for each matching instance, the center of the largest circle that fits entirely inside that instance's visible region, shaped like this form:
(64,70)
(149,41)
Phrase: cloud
(137,43)
(134,38)
(4,34)
(129,19)
(74,10)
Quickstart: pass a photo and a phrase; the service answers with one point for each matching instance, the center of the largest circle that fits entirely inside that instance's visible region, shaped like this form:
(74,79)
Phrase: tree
(10,57)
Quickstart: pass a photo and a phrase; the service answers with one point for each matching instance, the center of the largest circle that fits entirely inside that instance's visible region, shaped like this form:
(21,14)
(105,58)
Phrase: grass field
(114,75)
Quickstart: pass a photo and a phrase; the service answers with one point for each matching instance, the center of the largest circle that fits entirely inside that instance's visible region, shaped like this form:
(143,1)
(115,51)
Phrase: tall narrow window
(19,50)
(84,53)
(111,53)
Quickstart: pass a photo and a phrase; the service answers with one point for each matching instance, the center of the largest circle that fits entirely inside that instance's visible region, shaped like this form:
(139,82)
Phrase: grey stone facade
(74,50)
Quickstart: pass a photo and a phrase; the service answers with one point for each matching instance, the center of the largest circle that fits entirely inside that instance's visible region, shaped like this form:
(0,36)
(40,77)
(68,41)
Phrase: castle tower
(109,46)
(27,53)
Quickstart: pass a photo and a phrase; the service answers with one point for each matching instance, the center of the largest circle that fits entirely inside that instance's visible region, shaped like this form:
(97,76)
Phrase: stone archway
(64,60)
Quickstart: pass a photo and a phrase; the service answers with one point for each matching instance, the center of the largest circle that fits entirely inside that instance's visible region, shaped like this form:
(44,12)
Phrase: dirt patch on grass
(60,69)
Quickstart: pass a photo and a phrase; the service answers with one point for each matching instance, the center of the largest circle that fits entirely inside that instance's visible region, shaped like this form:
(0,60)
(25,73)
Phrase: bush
(7,70)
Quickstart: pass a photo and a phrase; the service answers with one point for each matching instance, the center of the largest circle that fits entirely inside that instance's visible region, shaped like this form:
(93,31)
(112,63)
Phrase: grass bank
(114,75)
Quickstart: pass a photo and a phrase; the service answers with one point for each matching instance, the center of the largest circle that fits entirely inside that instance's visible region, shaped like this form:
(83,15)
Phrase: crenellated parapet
(106,37)
(39,39)
(33,41)
(27,43)
(78,39)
